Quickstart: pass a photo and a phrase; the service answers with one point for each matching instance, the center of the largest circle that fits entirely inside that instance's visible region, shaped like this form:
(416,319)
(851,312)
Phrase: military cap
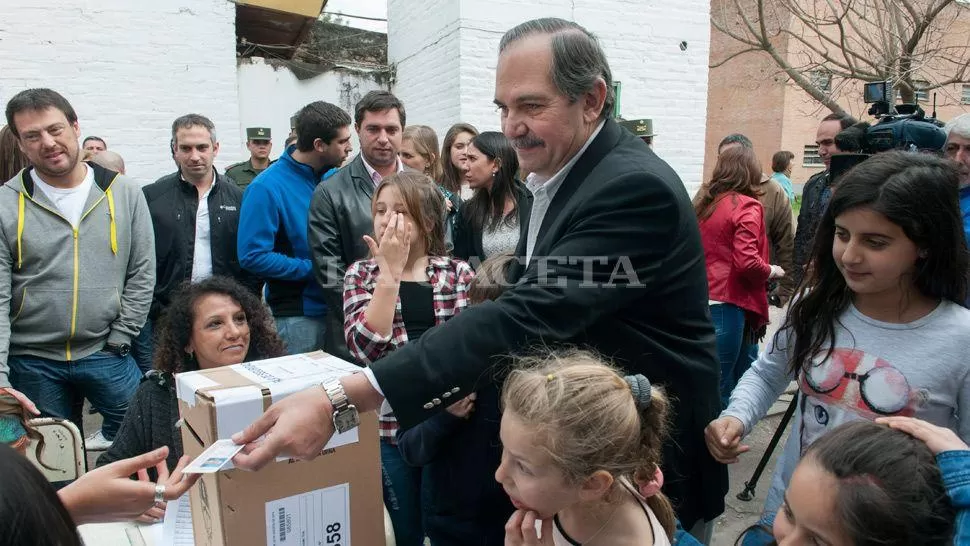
(257,133)
(639,127)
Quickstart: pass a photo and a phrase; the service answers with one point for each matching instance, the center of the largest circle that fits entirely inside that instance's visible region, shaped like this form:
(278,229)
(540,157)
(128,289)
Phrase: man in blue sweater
(273,224)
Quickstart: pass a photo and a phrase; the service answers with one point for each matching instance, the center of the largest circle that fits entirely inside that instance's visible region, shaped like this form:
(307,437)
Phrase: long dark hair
(487,207)
(890,488)
(737,170)
(917,192)
(175,329)
(450,177)
(30,510)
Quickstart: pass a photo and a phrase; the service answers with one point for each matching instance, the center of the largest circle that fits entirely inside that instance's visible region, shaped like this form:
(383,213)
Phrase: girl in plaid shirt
(407,286)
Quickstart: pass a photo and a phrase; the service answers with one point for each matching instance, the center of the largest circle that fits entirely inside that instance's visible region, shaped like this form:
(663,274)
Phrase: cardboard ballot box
(333,500)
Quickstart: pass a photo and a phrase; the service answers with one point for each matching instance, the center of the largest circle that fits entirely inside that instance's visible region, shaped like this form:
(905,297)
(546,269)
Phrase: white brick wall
(454,79)
(268,96)
(423,41)
(129,68)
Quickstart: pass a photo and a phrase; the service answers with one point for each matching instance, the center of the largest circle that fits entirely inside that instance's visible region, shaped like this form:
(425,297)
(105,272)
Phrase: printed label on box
(316,517)
(304,366)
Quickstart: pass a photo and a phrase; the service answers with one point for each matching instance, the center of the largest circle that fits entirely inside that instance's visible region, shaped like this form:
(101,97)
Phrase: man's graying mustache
(527,141)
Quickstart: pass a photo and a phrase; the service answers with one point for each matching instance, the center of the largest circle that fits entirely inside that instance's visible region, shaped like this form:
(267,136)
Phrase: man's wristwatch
(121,350)
(345,415)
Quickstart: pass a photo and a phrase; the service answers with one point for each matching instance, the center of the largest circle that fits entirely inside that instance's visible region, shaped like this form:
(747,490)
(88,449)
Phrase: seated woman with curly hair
(212,323)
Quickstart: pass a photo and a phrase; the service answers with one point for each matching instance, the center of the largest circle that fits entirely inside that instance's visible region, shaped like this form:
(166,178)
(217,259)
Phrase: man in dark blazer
(340,213)
(611,259)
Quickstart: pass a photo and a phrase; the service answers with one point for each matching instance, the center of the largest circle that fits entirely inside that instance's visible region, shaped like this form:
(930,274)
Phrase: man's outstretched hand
(297,426)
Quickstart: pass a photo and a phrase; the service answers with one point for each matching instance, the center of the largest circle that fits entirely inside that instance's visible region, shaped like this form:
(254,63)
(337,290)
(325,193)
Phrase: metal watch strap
(338,398)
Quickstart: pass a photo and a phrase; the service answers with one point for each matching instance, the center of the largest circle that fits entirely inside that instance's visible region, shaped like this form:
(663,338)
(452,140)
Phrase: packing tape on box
(236,409)
(189,383)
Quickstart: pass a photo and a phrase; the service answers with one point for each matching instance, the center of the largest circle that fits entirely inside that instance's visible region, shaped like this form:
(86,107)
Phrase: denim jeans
(107,380)
(402,495)
(143,347)
(749,353)
(731,349)
(301,334)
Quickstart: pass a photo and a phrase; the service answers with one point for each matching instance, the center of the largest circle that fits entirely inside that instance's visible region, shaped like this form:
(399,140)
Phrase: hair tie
(640,387)
(652,486)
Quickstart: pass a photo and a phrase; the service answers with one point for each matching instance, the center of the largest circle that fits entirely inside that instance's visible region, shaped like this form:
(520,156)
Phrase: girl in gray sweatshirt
(878,329)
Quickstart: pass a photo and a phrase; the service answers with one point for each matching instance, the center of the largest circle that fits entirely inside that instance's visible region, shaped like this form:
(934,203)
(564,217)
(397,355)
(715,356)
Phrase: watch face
(346,420)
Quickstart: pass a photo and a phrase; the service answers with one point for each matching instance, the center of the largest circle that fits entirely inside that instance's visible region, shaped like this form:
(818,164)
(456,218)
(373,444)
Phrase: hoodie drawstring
(113,228)
(20,230)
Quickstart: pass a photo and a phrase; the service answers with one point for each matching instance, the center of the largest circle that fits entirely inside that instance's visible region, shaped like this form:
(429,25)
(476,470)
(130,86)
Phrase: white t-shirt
(202,251)
(68,201)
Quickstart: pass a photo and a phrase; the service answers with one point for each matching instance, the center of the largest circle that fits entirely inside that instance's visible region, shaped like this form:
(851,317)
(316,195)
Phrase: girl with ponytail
(581,454)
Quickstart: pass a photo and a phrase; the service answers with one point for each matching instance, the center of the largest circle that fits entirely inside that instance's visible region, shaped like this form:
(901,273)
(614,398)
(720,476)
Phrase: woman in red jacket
(736,251)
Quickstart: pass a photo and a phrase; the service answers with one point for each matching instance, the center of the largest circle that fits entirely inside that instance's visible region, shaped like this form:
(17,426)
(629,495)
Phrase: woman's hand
(392,252)
(776,272)
(723,437)
(109,494)
(521,530)
(156,513)
(22,398)
(938,439)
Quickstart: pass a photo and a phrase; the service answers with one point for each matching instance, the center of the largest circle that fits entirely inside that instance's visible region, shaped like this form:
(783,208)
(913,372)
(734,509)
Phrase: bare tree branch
(725,60)
(906,42)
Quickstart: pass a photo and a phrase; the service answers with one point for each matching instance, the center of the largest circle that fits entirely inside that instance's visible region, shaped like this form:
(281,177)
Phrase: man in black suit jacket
(612,260)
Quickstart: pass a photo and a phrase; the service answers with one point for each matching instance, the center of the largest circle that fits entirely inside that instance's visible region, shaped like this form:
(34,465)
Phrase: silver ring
(159,493)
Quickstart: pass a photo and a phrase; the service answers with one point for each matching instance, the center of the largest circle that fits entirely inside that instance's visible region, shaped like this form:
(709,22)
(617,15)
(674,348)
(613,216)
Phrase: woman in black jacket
(491,222)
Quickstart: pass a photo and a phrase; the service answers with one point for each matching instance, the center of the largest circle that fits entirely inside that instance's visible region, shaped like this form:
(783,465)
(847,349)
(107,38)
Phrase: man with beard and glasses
(77,269)
(611,259)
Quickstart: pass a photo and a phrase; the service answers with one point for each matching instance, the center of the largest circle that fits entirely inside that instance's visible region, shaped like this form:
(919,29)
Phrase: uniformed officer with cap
(642,128)
(259,144)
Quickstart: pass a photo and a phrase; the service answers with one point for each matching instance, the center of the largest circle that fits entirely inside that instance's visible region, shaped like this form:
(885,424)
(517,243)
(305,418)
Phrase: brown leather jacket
(780,224)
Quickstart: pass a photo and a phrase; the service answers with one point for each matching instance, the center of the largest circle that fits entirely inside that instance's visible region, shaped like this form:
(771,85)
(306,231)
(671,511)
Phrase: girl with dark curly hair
(215,322)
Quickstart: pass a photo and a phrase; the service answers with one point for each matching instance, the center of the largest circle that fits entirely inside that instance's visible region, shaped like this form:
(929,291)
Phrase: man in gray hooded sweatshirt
(77,269)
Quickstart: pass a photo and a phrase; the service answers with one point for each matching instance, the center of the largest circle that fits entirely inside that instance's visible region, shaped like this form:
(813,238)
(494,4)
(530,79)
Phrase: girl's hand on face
(723,437)
(521,530)
(938,439)
(392,252)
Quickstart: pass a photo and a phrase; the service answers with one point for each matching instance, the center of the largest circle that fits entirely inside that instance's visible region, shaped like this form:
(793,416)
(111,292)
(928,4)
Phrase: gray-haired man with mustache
(600,193)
